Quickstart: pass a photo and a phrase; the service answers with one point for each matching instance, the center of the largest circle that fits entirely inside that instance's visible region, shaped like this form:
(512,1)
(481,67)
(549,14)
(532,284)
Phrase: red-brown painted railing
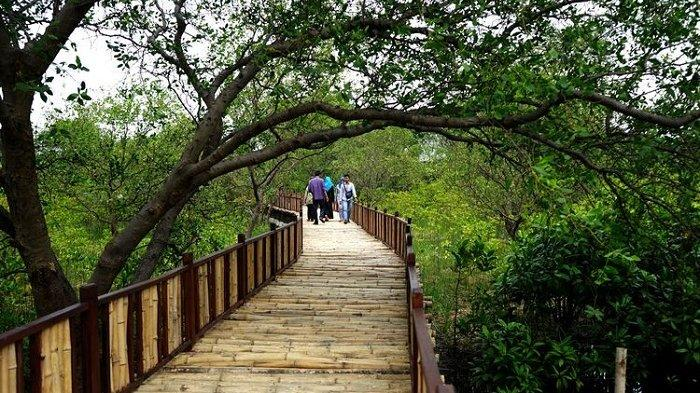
(292,201)
(395,232)
(112,343)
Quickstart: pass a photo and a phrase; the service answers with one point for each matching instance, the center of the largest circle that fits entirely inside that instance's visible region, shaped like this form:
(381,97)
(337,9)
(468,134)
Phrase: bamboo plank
(268,258)
(292,249)
(8,369)
(251,267)
(219,284)
(285,254)
(278,251)
(174,313)
(149,328)
(233,277)
(56,358)
(203,287)
(119,366)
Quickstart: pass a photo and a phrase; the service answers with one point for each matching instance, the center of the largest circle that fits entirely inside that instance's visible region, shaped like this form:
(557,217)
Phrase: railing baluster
(190,290)
(227,281)
(162,320)
(242,267)
(211,288)
(35,362)
(90,343)
(19,359)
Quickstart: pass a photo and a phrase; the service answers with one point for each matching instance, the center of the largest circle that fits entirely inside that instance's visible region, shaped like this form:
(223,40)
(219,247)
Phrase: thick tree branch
(645,116)
(254,62)
(41,52)
(288,145)
(159,241)
(416,119)
(5,42)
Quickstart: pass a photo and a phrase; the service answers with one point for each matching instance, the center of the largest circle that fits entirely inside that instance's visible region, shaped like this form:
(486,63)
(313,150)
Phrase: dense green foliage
(98,165)
(542,310)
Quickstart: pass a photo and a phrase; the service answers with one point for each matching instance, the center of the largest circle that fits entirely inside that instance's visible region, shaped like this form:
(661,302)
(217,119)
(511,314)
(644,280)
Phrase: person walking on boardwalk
(347,194)
(309,201)
(338,198)
(330,192)
(319,193)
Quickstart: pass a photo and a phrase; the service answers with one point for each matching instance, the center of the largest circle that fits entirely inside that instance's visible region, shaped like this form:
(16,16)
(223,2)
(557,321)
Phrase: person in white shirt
(346,195)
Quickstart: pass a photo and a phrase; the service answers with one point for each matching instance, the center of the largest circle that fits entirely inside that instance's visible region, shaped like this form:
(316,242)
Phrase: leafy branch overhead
(596,82)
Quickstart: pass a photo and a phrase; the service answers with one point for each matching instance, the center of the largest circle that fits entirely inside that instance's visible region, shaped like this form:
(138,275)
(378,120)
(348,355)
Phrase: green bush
(576,288)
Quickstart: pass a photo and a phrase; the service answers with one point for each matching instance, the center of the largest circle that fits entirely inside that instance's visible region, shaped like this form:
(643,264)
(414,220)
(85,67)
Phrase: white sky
(102,78)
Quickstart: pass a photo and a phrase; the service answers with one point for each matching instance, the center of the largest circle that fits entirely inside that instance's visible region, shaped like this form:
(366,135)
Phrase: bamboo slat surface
(219,292)
(251,265)
(334,321)
(174,313)
(149,316)
(56,358)
(233,278)
(119,364)
(8,369)
(203,295)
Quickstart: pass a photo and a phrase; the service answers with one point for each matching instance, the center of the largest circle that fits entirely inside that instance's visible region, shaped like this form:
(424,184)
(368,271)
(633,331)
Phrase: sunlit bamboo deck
(334,322)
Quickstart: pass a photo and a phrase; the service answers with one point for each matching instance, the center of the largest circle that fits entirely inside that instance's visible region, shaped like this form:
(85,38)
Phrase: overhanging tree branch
(285,146)
(40,53)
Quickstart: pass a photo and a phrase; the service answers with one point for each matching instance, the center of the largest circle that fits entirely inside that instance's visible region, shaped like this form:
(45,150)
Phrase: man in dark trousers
(319,193)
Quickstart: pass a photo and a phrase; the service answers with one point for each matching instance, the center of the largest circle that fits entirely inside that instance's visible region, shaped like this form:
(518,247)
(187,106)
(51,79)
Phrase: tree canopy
(610,86)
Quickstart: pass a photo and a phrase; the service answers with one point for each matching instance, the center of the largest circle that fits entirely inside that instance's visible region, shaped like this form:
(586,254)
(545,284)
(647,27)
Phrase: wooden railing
(395,232)
(292,201)
(113,342)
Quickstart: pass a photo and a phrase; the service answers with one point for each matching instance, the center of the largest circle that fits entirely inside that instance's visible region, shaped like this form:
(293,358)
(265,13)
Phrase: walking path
(333,322)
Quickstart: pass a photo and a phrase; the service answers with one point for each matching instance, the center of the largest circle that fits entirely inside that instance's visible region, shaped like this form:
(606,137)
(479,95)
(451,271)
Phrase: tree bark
(118,250)
(254,218)
(50,287)
(159,241)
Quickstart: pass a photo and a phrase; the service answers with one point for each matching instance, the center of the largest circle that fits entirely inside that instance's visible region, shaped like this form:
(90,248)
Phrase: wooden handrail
(122,337)
(40,324)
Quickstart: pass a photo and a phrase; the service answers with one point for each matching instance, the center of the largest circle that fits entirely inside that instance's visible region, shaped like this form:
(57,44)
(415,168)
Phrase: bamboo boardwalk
(334,322)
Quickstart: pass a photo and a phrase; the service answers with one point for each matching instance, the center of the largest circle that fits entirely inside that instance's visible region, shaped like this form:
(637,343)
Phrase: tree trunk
(512,226)
(178,185)
(254,219)
(117,251)
(159,241)
(50,287)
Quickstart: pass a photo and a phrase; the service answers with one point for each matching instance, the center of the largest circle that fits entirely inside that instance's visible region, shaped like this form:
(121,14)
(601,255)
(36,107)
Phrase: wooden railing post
(91,349)
(227,280)
(385,228)
(410,256)
(395,232)
(189,289)
(242,267)
(300,229)
(620,369)
(375,222)
(407,231)
(273,250)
